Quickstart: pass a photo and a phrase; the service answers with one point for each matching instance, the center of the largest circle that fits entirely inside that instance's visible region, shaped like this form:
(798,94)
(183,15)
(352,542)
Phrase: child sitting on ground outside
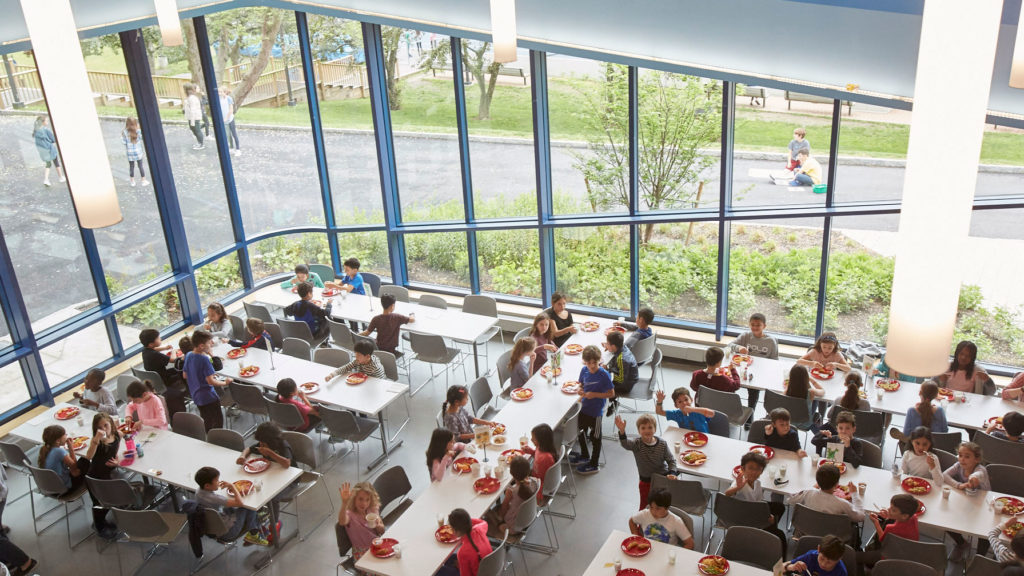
(827,560)
(289,393)
(302,274)
(236,517)
(900,518)
(747,487)
(145,408)
(823,498)
(387,324)
(520,489)
(656,522)
(95,395)
(359,516)
(642,329)
(364,362)
(918,460)
(843,431)
(686,415)
(780,434)
(651,453)
(622,366)
(713,375)
(797,144)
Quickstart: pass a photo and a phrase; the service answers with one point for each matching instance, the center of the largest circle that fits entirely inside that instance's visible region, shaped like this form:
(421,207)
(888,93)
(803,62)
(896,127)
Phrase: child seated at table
(755,342)
(969,475)
(302,274)
(57,454)
(823,498)
(217,322)
(543,438)
(256,336)
(306,311)
(924,413)
(473,544)
(801,385)
(288,393)
(154,360)
(441,452)
(900,518)
(622,367)
(145,408)
(918,460)
(827,560)
(364,362)
(713,375)
(656,522)
(388,324)
(1012,555)
(522,361)
(826,354)
(596,386)
(357,504)
(686,415)
(641,330)
(851,400)
(235,515)
(270,444)
(747,487)
(456,417)
(352,281)
(1013,427)
(651,453)
(780,434)
(542,332)
(95,395)
(522,487)
(841,432)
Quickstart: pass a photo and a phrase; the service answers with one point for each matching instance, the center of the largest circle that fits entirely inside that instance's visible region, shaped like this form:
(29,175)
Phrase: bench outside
(798,97)
(502,71)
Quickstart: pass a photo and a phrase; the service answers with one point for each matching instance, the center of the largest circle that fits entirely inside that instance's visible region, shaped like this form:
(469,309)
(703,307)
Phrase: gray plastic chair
(433,301)
(189,424)
(214,528)
(566,435)
(894,567)
(946,459)
(325,272)
(346,426)
(552,488)
(806,521)
(524,520)
(432,350)
(718,425)
(984,566)
(347,562)
(260,311)
(522,334)
(160,529)
(872,454)
(304,455)
(690,496)
(119,493)
(372,281)
(121,391)
(1006,479)
(495,563)
(799,413)
(159,386)
(249,398)
(238,331)
(341,334)
(948,441)
(296,348)
(484,306)
(226,438)
(870,426)
(389,363)
(16,459)
(50,485)
(644,391)
(727,403)
(756,433)
(504,374)
(999,451)
(401,293)
(730,511)
(643,350)
(808,543)
(299,329)
(751,546)
(480,397)
(286,416)
(931,554)
(276,336)
(333,357)
(393,487)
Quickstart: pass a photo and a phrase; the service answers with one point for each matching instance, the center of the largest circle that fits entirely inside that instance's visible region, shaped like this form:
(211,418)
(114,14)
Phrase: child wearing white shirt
(656,522)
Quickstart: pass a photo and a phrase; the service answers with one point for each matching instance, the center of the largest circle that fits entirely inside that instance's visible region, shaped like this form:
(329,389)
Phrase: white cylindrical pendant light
(61,69)
(1017,65)
(503,30)
(170,24)
(951,90)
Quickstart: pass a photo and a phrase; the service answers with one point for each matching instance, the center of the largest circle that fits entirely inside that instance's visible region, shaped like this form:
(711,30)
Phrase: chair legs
(298,517)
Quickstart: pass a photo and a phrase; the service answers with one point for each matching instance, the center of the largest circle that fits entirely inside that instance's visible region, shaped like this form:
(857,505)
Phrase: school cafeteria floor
(605,502)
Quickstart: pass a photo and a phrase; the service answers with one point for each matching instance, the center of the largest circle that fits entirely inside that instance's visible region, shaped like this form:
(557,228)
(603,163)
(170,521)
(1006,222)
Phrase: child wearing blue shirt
(642,329)
(827,560)
(596,387)
(352,281)
(686,415)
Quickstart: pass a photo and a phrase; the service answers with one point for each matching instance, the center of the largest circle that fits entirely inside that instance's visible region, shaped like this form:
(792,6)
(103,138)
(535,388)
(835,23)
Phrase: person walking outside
(46,146)
(227,110)
(193,109)
(134,150)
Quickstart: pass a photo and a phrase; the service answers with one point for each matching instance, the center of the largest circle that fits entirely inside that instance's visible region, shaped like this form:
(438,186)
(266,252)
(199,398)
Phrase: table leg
(385,448)
(476,359)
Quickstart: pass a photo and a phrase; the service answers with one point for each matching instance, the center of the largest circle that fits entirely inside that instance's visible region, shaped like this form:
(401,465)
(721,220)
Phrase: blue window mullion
(20,325)
(725,205)
(542,162)
(462,122)
(633,119)
(826,233)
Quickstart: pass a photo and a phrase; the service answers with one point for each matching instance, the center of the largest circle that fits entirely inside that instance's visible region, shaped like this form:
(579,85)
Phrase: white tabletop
(655,562)
(32,430)
(370,397)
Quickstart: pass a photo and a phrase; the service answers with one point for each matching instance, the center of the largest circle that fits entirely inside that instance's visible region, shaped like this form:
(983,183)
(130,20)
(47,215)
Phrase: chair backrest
(570,427)
(998,451)
(481,305)
(731,511)
(285,415)
(303,451)
(341,536)
(341,423)
(687,495)
(373,281)
(718,425)
(751,546)
(257,311)
(429,346)
(894,567)
(494,563)
(237,327)
(502,367)
(810,521)
(799,413)
(276,336)
(48,481)
(480,394)
(932,554)
(326,273)
(727,403)
(389,363)
(433,301)
(392,485)
(341,334)
(215,525)
(687,521)
(872,454)
(335,357)
(141,524)
(756,433)
(553,478)
(655,365)
(189,424)
(158,383)
(984,566)
(946,459)
(248,397)
(14,454)
(808,543)
(226,438)
(113,493)
(401,293)
(1006,479)
(295,329)
(296,348)
(870,426)
(123,380)
(527,513)
(948,441)
(643,350)
(522,334)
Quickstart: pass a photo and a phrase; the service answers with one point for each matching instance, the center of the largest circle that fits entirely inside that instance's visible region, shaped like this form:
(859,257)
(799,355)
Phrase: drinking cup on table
(398,551)
(945,492)
(879,393)
(621,319)
(524,441)
(782,471)
(997,506)
(971,491)
(378,541)
(471,448)
(440,519)
(474,469)
(862,487)
(617,565)
(671,557)
(944,403)
(679,446)
(80,420)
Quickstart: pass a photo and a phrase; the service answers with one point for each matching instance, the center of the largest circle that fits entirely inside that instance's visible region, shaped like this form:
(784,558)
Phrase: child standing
(521,362)
(203,381)
(134,150)
(900,518)
(46,146)
(622,366)
(58,455)
(712,376)
(686,415)
(918,460)
(747,487)
(642,329)
(543,437)
(755,342)
(658,523)
(359,515)
(522,488)
(145,408)
(456,417)
(364,362)
(289,393)
(651,453)
(596,386)
(843,430)
(827,560)
(96,396)
(235,515)
(227,111)
(780,434)
(192,107)
(441,452)
(387,324)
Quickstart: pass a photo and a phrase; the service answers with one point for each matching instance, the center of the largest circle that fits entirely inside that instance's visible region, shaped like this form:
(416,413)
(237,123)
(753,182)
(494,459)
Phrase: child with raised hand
(145,408)
(543,437)
(780,434)
(711,375)
(686,415)
(302,274)
(900,518)
(843,430)
(523,487)
(747,487)
(364,362)
(622,367)
(95,395)
(823,498)
(235,515)
(543,334)
(651,453)
(1013,427)
(918,460)
(641,330)
(827,560)
(456,417)
(755,342)
(596,386)
(57,454)
(441,452)
(521,362)
(288,393)
(256,336)
(657,522)
(826,354)
(217,322)
(359,515)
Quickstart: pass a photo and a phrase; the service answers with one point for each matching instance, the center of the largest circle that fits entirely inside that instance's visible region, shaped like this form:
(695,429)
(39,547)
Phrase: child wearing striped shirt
(652,454)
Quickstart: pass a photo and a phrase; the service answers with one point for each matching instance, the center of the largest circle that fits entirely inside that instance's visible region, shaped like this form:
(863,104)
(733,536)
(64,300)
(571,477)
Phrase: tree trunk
(223,47)
(270,28)
(696,202)
(390,39)
(648,232)
(195,66)
(487,95)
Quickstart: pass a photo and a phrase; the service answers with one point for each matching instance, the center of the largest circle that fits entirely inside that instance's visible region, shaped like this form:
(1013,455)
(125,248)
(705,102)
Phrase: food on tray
(713,565)
(248,371)
(916,485)
(356,378)
(67,413)
(522,394)
(590,326)
(693,457)
(464,464)
(696,439)
(573,349)
(236,353)
(889,384)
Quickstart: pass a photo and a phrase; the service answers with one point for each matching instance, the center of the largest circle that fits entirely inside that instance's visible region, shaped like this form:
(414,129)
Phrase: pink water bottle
(129,448)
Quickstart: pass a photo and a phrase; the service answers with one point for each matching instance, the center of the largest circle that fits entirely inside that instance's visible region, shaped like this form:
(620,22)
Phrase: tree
(390,37)
(679,117)
(477,60)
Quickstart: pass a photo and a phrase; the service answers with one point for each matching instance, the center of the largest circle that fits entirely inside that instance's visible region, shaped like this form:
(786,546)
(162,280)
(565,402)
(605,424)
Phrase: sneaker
(47,182)
(19,571)
(612,407)
(586,469)
(62,178)
(237,152)
(132,182)
(195,146)
(255,538)
(577,458)
(145,182)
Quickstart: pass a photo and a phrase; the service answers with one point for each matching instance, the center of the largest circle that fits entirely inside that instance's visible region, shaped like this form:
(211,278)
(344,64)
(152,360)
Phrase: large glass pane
(860,276)
(218,279)
(371,248)
(440,258)
(592,266)
(774,269)
(12,387)
(588,102)
(679,269)
(75,354)
(158,312)
(5,332)
(257,65)
(1002,155)
(680,128)
(767,121)
(343,93)
(872,155)
(429,177)
(509,262)
(280,254)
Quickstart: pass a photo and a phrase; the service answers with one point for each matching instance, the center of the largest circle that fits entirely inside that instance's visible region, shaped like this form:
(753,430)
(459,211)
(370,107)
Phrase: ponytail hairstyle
(545,438)
(462,525)
(799,382)
(851,398)
(929,392)
(51,435)
(438,446)
(520,469)
(456,393)
(522,347)
(131,126)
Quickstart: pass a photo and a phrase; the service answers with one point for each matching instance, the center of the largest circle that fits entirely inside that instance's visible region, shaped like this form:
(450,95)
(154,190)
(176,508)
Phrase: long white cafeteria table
(656,562)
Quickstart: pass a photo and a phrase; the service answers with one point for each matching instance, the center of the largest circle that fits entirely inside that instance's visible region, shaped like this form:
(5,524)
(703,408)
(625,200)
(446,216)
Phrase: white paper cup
(945,492)
(398,551)
(474,468)
(671,557)
(378,541)
(862,488)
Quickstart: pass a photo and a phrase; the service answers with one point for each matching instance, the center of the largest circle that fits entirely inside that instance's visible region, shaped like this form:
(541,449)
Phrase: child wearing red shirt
(714,376)
(288,393)
(899,519)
